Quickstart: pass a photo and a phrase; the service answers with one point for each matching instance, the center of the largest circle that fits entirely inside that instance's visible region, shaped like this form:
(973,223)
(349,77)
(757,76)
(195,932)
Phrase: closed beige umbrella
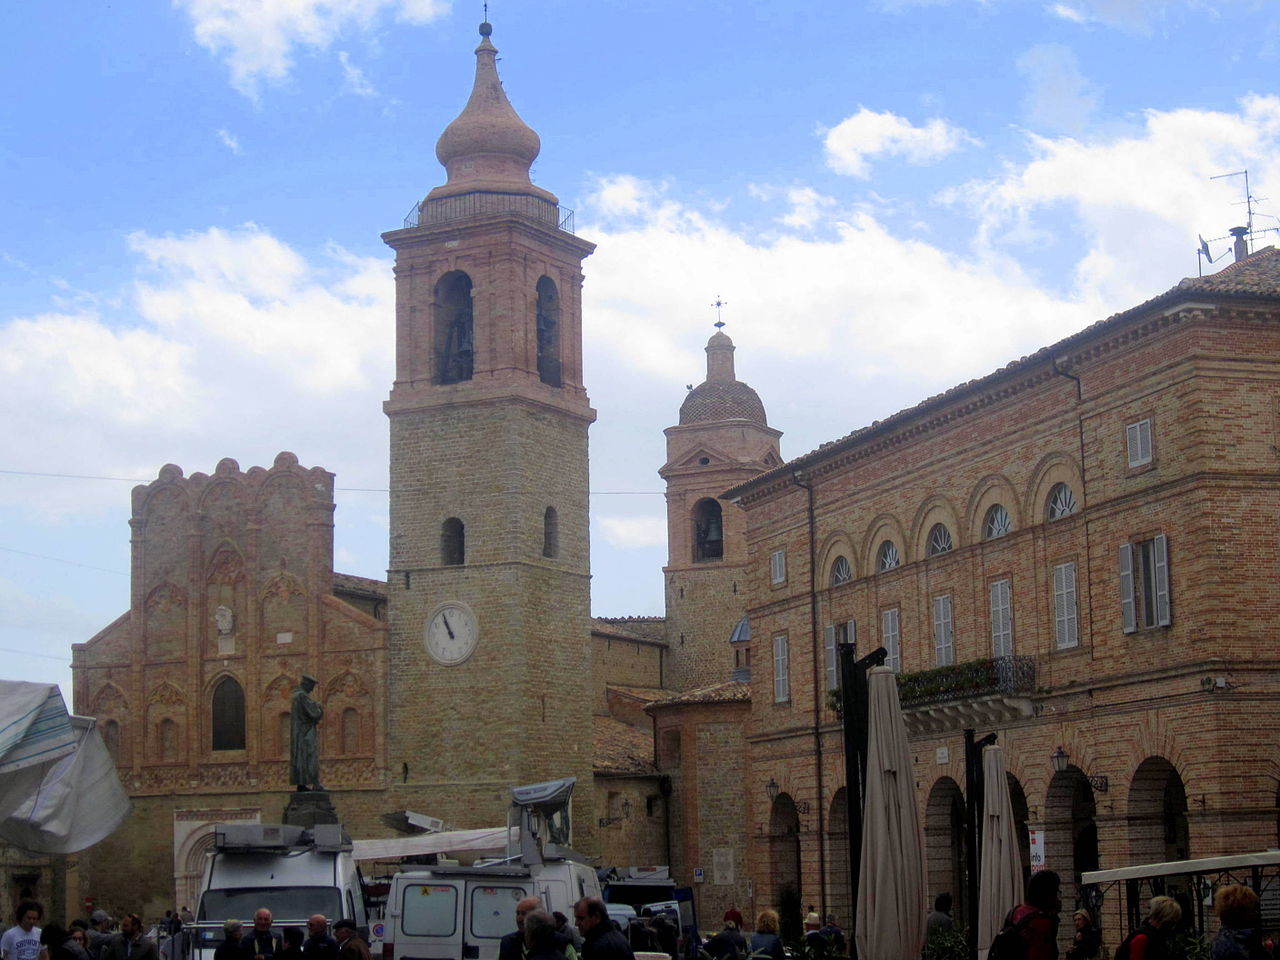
(891,888)
(1000,876)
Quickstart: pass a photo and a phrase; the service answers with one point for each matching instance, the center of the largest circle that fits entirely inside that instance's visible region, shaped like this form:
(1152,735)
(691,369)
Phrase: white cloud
(1135,202)
(856,140)
(232,341)
(1058,98)
(807,207)
(229,141)
(355,79)
(627,533)
(258,38)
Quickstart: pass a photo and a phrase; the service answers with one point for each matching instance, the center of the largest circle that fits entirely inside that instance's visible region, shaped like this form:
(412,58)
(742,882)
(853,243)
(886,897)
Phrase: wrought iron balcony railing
(964,681)
(975,692)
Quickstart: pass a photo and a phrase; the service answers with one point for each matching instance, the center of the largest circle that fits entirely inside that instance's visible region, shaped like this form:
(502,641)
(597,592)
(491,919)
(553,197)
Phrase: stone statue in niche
(225,620)
(304,750)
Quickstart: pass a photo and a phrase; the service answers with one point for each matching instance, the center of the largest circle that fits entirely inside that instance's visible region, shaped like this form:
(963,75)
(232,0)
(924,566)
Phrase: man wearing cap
(350,946)
(98,934)
(304,754)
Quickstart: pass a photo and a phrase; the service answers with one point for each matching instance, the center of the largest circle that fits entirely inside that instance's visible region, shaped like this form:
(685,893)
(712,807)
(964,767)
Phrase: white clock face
(451,633)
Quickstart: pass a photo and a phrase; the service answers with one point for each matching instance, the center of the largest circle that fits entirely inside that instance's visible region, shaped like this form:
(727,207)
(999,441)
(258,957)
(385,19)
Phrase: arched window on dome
(708,530)
(453,543)
(548,332)
(1062,502)
(227,715)
(550,533)
(939,540)
(454,333)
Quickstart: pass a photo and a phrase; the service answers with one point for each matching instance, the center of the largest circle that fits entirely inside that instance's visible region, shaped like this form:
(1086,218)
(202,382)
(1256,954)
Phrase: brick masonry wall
(1136,707)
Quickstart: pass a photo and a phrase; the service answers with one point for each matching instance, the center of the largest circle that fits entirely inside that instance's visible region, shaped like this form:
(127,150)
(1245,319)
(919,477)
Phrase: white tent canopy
(59,791)
(450,841)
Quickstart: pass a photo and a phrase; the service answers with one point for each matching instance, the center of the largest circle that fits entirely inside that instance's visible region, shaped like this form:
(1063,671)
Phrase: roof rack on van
(279,838)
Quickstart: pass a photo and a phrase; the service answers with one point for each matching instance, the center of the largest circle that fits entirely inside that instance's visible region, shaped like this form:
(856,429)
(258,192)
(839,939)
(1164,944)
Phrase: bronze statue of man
(304,751)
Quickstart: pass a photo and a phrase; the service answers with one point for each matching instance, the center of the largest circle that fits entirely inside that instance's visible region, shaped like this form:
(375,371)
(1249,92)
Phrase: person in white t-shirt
(22,942)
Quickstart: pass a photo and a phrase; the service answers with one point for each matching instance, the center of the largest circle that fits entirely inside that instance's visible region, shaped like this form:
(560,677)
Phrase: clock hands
(445,618)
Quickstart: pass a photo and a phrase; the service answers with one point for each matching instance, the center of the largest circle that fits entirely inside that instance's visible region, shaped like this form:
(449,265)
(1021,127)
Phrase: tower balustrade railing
(467,205)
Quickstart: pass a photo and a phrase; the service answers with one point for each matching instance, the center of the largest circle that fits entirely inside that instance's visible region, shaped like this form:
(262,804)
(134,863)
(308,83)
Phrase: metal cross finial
(718,304)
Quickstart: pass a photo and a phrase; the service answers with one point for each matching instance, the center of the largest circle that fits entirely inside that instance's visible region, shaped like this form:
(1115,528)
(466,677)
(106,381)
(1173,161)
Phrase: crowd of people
(99,938)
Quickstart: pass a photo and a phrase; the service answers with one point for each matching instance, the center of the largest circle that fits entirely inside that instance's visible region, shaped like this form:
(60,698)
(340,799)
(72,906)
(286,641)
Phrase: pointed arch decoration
(226,715)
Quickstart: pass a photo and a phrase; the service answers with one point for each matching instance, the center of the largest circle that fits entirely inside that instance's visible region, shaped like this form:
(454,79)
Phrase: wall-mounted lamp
(771,789)
(1061,760)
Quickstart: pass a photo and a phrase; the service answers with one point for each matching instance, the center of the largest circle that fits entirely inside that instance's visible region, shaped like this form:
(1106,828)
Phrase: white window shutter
(851,632)
(1160,556)
(1128,608)
(829,648)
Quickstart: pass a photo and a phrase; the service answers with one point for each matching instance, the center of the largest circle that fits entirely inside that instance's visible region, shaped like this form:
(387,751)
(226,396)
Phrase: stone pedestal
(306,808)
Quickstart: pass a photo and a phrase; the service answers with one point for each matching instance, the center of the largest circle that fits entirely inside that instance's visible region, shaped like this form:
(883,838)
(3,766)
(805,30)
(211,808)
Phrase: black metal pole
(973,808)
(853,713)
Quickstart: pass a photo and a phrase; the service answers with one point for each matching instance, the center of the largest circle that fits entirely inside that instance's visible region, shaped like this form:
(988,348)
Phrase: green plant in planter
(946,945)
(1188,945)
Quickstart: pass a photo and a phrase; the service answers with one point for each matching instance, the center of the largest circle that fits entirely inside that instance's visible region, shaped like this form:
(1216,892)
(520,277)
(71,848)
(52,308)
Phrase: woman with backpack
(1030,930)
(1151,940)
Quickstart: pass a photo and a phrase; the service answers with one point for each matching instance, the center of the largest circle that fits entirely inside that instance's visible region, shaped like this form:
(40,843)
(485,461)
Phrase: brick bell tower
(489,651)
(723,439)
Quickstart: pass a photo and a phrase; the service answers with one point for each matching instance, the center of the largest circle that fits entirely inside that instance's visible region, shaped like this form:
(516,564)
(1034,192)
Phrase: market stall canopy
(59,790)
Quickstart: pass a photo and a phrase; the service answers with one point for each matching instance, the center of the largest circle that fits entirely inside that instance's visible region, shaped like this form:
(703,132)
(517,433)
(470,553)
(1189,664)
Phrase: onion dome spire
(487,147)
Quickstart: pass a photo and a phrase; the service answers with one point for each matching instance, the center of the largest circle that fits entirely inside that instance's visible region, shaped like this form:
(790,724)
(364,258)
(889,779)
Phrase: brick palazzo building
(1078,552)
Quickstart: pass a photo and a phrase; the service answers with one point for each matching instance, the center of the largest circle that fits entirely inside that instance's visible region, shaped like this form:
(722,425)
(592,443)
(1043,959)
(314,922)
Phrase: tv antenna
(1240,235)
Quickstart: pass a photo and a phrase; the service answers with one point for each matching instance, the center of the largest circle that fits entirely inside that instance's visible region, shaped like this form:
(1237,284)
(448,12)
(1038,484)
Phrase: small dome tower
(722,439)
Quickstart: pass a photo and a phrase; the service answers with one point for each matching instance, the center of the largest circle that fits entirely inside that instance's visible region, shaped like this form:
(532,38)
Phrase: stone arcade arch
(1071,831)
(1158,828)
(945,843)
(784,846)
(838,859)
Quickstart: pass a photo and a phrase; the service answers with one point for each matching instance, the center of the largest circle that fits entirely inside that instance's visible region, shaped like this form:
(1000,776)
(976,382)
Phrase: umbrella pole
(973,809)
(853,711)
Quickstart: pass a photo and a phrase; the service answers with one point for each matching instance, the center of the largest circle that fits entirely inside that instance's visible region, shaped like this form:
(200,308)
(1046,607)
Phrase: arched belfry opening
(453,543)
(708,530)
(548,332)
(453,328)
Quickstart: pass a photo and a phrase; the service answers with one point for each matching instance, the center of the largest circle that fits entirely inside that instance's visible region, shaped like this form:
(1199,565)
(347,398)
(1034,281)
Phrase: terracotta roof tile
(622,748)
(652,629)
(731,691)
(647,694)
(354,584)
(716,400)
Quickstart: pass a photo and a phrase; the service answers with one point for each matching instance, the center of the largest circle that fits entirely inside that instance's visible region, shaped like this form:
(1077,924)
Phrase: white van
(292,872)
(461,913)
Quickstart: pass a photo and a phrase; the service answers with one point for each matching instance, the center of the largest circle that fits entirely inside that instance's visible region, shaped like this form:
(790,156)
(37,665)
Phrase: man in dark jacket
(602,941)
(350,944)
(319,945)
(129,943)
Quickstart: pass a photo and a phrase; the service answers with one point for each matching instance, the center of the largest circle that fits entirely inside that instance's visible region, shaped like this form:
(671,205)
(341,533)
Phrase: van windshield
(285,903)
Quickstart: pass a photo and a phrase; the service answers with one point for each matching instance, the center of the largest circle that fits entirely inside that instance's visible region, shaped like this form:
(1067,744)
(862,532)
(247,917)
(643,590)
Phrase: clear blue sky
(892,197)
